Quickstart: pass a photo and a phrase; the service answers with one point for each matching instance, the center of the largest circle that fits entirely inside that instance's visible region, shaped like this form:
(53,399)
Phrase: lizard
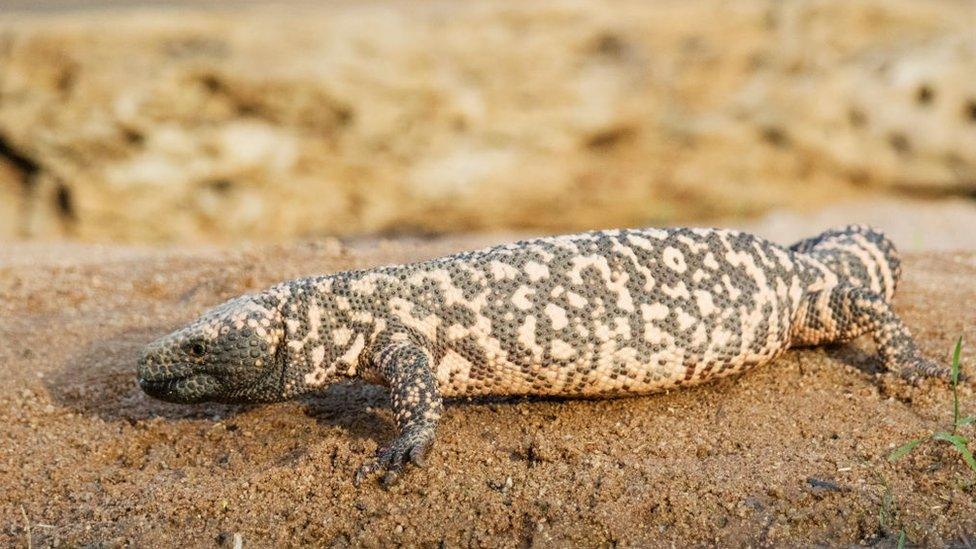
(596,314)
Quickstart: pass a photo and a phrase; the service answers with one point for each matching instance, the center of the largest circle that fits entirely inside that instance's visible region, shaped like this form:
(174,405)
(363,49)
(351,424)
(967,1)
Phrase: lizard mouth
(184,389)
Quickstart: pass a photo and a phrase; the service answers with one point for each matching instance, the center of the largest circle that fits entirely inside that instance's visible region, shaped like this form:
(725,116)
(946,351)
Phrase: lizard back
(598,313)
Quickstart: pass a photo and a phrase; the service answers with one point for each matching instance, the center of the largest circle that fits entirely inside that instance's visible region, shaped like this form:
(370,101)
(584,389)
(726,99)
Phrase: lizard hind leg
(859,255)
(846,312)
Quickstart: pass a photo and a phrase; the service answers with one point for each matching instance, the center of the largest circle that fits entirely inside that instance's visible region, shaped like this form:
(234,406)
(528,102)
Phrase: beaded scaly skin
(596,314)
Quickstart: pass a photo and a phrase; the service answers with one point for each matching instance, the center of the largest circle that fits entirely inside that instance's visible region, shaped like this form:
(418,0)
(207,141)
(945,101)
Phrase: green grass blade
(901,540)
(949,437)
(961,445)
(902,450)
(955,382)
(966,421)
(955,360)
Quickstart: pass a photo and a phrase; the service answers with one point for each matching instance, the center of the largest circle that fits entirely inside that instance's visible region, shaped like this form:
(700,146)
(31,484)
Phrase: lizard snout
(162,375)
(148,367)
(157,363)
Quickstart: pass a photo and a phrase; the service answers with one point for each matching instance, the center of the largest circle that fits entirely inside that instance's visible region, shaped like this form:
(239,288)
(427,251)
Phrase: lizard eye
(196,349)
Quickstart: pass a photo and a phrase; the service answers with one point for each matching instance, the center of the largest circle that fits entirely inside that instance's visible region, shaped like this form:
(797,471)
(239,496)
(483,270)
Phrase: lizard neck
(329,330)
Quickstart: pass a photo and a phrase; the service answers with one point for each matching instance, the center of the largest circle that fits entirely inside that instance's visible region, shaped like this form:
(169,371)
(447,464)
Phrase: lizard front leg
(846,312)
(417,406)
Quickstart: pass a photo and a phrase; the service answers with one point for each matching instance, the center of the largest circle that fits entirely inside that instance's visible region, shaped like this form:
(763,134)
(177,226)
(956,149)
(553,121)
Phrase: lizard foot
(409,447)
(920,368)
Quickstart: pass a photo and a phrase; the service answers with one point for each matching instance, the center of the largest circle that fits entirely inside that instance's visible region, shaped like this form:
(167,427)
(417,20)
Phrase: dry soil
(790,454)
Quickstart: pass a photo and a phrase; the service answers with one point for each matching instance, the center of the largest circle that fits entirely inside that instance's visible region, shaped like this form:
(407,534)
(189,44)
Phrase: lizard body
(604,313)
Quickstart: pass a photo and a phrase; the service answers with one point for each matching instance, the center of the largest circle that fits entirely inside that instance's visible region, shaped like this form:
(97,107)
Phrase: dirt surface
(790,454)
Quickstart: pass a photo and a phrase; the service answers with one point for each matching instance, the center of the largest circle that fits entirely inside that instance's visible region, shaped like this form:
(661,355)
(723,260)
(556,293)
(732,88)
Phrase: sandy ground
(790,454)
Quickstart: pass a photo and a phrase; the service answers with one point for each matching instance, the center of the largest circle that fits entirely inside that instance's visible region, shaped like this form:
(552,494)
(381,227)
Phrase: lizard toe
(365,471)
(390,478)
(922,368)
(392,460)
(418,454)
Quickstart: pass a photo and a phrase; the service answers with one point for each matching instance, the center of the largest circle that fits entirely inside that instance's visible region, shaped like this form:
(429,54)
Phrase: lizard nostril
(147,367)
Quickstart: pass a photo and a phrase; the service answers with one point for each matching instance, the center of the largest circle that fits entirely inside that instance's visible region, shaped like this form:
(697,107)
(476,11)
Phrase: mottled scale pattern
(593,314)
(602,313)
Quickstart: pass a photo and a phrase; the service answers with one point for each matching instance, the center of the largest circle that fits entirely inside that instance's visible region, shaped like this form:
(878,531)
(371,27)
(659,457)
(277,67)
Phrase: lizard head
(860,255)
(232,353)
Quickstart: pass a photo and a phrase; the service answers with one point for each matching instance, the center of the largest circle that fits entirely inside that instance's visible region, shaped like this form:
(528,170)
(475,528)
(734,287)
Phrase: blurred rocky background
(144,122)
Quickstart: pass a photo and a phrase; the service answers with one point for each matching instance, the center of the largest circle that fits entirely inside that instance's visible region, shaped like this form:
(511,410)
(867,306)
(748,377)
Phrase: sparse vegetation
(888,520)
(887,513)
(952,436)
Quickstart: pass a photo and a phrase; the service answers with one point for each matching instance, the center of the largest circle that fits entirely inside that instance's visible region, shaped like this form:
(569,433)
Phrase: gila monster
(603,313)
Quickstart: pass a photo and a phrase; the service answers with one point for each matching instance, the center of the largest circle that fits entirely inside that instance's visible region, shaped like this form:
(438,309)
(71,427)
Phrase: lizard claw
(418,454)
(384,459)
(393,458)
